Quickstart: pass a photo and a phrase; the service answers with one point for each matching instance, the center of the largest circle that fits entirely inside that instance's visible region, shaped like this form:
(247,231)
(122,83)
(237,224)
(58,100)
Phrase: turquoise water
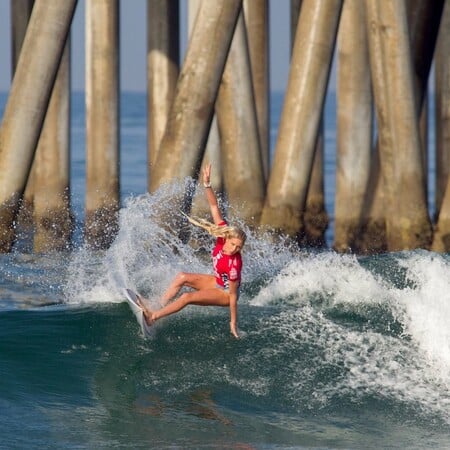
(336,351)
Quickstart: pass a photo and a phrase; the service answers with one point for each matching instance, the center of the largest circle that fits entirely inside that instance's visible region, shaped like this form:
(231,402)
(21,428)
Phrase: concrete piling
(183,144)
(162,69)
(423,21)
(354,124)
(27,104)
(52,215)
(380,194)
(102,122)
(256,13)
(200,206)
(371,235)
(20,16)
(407,222)
(315,217)
(238,124)
(299,126)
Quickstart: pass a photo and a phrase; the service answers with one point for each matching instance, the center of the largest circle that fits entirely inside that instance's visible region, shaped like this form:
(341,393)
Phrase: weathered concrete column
(315,217)
(238,124)
(20,16)
(163,56)
(442,109)
(299,126)
(371,237)
(256,14)
(102,122)
(200,206)
(52,216)
(354,124)
(27,104)
(181,150)
(407,222)
(423,19)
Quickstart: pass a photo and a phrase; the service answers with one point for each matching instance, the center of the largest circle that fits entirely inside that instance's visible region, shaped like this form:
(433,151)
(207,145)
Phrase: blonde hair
(223,231)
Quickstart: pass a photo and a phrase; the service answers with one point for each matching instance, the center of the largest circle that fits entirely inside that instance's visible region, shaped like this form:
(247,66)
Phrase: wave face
(336,351)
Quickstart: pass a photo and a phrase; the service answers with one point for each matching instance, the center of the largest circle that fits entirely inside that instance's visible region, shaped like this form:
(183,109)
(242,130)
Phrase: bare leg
(193,280)
(173,289)
(207,297)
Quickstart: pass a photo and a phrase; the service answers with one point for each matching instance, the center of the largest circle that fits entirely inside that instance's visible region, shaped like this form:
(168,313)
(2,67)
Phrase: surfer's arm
(233,307)
(210,196)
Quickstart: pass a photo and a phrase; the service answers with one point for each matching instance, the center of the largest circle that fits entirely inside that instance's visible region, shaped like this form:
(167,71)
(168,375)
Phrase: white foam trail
(148,253)
(412,367)
(144,256)
(411,292)
(337,277)
(427,308)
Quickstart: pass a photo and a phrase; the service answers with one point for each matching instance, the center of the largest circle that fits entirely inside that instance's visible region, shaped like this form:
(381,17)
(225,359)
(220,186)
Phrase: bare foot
(148,313)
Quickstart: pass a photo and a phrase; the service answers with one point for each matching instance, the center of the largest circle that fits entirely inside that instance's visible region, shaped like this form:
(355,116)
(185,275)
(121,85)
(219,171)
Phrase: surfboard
(132,300)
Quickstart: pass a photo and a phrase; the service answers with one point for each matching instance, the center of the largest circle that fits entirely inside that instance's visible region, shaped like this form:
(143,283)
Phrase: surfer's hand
(233,330)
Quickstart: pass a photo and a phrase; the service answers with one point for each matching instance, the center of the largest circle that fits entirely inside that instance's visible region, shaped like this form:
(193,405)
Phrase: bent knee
(182,278)
(186,298)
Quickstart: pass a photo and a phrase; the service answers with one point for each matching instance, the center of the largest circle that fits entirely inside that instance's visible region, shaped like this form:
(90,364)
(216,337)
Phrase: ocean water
(337,351)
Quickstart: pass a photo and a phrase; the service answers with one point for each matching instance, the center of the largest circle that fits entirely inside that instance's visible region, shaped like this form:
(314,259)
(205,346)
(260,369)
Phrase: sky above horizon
(133,44)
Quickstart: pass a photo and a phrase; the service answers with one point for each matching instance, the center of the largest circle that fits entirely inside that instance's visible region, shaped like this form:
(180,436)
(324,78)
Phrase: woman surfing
(220,289)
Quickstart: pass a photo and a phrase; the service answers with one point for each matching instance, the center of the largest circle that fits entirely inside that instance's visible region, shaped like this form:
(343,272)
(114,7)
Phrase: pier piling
(238,124)
(52,215)
(27,104)
(216,108)
(162,69)
(256,13)
(200,206)
(407,222)
(183,144)
(102,122)
(294,153)
(315,217)
(354,124)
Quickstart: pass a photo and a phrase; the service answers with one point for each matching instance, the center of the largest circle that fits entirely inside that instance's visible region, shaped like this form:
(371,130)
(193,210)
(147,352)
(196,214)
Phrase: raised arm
(210,196)
(234,285)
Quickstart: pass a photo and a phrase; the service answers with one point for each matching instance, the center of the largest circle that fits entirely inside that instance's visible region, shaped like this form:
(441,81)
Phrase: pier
(214,105)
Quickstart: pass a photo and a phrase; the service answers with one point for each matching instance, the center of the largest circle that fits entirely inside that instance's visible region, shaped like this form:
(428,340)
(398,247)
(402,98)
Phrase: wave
(344,326)
(301,361)
(322,333)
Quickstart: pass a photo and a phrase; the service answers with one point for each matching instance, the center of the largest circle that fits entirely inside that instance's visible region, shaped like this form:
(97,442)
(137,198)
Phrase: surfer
(220,289)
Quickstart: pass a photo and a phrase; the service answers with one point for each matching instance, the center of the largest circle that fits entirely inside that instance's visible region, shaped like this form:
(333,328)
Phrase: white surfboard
(147,330)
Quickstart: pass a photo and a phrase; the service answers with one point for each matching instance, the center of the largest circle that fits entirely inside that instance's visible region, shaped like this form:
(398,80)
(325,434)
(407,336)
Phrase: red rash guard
(226,267)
